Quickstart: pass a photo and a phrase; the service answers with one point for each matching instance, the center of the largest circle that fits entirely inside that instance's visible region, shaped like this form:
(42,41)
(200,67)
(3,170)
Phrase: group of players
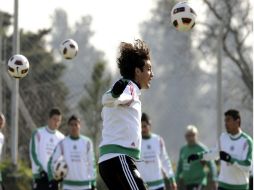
(131,157)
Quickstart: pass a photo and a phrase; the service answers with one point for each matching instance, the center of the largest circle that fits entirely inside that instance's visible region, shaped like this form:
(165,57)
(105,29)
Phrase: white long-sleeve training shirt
(121,133)
(79,156)
(154,161)
(234,175)
(42,145)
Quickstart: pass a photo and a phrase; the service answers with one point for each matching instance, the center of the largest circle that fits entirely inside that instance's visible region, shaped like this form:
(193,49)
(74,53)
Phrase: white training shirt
(121,133)
(42,145)
(154,161)
(79,155)
(233,175)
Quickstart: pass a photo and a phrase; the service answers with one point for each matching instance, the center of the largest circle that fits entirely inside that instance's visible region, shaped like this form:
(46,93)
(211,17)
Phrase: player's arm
(166,164)
(244,164)
(33,150)
(120,94)
(91,164)
(179,167)
(1,148)
(212,154)
(58,152)
(212,169)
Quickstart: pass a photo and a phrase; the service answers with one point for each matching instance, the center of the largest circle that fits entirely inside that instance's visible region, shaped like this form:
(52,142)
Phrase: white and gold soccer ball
(183,17)
(18,66)
(60,169)
(69,49)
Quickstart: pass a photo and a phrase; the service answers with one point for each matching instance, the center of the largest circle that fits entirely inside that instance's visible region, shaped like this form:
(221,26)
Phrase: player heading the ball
(121,133)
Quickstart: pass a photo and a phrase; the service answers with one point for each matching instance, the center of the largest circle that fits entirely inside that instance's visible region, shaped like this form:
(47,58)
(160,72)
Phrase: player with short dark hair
(235,153)
(121,133)
(42,145)
(77,151)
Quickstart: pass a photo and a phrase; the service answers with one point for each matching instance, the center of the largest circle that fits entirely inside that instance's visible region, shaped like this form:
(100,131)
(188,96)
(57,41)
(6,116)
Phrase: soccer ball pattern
(69,49)
(60,170)
(183,17)
(18,66)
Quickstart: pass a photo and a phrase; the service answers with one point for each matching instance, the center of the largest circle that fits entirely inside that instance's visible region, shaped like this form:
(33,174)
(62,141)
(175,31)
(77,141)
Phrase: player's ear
(137,71)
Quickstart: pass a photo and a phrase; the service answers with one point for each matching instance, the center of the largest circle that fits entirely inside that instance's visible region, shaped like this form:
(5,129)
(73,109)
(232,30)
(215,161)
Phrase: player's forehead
(148,63)
(74,122)
(55,117)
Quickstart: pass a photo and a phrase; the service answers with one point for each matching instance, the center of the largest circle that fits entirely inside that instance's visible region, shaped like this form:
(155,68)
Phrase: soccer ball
(18,66)
(183,17)
(69,49)
(60,169)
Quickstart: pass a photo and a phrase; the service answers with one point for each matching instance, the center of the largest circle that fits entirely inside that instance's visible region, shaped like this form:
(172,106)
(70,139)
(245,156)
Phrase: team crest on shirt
(149,146)
(51,140)
(74,147)
(232,148)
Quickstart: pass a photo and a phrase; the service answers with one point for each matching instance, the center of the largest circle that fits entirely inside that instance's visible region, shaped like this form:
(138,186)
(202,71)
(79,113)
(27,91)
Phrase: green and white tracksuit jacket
(234,175)
(154,161)
(42,145)
(194,173)
(79,156)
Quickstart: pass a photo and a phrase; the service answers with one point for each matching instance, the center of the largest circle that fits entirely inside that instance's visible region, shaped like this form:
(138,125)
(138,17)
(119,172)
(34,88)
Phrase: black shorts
(120,173)
(43,183)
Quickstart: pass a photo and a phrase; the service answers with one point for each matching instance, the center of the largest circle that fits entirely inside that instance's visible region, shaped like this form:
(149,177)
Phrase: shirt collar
(50,130)
(236,136)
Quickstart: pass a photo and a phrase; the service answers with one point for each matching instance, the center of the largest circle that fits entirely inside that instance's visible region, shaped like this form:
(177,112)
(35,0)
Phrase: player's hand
(43,176)
(173,186)
(193,157)
(225,156)
(119,87)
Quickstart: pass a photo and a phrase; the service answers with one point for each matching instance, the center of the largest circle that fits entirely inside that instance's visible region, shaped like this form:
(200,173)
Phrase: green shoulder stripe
(248,159)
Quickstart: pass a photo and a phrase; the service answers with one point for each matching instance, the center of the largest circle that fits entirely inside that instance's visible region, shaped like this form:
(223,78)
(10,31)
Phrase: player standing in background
(154,159)
(235,153)
(42,145)
(121,114)
(2,124)
(77,151)
(193,175)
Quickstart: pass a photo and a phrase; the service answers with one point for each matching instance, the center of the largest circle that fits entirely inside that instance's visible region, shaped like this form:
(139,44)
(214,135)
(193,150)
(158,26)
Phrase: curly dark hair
(132,56)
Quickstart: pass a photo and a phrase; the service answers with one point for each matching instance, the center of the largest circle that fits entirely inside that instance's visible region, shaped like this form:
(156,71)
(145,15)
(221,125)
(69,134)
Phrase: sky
(113,20)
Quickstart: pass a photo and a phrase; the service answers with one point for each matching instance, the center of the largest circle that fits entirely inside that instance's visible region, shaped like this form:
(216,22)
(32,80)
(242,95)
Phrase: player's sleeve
(33,150)
(91,163)
(165,162)
(212,169)
(125,98)
(58,152)
(179,167)
(1,148)
(245,164)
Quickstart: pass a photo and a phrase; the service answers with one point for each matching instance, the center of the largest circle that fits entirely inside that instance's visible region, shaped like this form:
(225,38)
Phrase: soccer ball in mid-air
(60,169)
(183,17)
(18,66)
(69,49)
